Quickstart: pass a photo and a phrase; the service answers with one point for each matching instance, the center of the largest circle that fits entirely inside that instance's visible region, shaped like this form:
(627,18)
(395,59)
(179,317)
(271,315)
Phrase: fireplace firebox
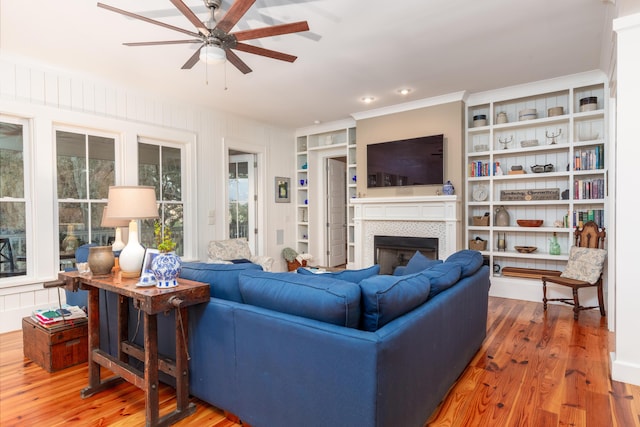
(392,251)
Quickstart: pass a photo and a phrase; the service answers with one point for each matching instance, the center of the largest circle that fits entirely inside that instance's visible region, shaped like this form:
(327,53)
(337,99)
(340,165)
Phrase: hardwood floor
(534,369)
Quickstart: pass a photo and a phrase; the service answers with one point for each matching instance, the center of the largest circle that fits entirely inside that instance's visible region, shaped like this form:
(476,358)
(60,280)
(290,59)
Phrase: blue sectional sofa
(335,349)
(351,348)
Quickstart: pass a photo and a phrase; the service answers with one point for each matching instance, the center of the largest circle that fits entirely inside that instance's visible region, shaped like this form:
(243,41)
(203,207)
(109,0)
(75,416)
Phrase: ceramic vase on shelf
(554,246)
(447,189)
(502,217)
(166,268)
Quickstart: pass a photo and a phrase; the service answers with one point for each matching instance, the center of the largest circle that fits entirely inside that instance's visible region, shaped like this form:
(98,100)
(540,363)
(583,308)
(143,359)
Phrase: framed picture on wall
(283,189)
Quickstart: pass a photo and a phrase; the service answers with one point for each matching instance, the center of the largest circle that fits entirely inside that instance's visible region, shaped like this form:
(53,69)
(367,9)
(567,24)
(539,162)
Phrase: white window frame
(27,150)
(186,144)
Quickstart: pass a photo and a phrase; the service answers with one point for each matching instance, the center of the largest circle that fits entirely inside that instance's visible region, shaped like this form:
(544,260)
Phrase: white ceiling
(354,48)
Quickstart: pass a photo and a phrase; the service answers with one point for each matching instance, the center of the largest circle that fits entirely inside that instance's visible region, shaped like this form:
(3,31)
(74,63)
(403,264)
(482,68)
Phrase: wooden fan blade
(274,30)
(265,52)
(145,19)
(188,13)
(237,62)
(162,42)
(193,60)
(233,15)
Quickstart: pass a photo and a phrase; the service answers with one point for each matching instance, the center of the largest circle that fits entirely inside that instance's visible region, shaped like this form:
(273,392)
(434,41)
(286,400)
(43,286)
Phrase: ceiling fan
(217,42)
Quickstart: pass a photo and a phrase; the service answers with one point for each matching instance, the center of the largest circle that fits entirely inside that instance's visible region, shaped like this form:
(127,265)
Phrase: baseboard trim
(624,371)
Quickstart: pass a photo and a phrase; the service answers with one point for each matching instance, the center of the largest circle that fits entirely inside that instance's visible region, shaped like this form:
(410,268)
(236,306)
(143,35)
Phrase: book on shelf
(479,168)
(53,316)
(588,189)
(589,159)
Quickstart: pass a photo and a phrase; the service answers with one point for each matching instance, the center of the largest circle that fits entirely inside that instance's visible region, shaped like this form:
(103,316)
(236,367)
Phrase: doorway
(336,211)
(242,197)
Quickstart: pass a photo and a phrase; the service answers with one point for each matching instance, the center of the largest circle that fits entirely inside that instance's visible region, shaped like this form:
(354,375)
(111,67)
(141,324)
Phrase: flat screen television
(414,161)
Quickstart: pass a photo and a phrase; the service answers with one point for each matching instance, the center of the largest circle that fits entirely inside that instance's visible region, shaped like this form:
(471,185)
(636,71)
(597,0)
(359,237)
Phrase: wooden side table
(151,301)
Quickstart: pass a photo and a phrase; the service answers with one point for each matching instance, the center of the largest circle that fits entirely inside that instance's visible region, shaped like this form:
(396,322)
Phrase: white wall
(48,95)
(626,359)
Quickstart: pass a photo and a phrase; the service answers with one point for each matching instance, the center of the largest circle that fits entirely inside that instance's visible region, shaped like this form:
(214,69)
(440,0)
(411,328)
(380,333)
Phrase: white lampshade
(132,203)
(109,222)
(212,54)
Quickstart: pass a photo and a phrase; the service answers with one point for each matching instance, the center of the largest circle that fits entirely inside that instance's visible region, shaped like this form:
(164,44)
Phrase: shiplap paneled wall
(48,96)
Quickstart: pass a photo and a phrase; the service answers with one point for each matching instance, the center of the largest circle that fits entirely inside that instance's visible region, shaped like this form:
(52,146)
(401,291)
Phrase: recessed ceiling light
(404,91)
(367,99)
(317,122)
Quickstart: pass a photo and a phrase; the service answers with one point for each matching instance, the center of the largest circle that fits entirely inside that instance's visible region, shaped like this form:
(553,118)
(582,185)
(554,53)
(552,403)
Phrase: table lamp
(132,203)
(109,222)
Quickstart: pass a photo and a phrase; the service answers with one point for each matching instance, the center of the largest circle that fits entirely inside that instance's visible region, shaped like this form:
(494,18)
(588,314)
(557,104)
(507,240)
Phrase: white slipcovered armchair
(224,251)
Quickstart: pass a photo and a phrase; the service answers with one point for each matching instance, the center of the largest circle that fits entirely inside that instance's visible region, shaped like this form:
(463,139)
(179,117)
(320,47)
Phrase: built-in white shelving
(572,143)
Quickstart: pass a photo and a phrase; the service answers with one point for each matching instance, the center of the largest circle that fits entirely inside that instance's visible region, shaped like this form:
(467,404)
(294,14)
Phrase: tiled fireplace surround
(416,216)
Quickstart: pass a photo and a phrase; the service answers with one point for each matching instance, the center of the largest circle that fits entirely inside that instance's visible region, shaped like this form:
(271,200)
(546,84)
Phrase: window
(13,197)
(160,166)
(85,170)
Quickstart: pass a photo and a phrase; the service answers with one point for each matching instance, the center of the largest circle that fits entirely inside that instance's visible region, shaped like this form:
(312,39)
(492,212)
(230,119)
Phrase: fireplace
(393,251)
(412,216)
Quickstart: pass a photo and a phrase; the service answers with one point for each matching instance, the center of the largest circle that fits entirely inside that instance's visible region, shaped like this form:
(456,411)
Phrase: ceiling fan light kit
(212,55)
(215,39)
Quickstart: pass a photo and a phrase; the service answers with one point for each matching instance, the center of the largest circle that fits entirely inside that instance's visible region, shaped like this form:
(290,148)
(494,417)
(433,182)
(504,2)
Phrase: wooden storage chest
(55,348)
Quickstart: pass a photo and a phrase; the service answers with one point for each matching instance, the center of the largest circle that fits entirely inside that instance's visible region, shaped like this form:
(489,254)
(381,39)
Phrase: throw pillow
(321,298)
(419,262)
(469,260)
(354,276)
(229,249)
(385,298)
(584,264)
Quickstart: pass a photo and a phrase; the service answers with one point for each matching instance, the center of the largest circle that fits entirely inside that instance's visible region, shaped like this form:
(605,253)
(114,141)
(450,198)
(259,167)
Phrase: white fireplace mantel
(416,216)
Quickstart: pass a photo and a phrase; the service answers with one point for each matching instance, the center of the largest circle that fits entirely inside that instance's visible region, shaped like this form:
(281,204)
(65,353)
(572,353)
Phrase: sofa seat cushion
(442,276)
(469,260)
(223,278)
(385,298)
(321,298)
(354,276)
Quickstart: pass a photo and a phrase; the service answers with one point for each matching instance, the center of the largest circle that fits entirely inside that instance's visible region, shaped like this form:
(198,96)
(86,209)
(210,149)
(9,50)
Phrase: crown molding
(412,105)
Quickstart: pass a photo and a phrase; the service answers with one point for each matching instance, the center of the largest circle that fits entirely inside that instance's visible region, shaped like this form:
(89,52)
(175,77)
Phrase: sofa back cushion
(442,276)
(223,278)
(469,260)
(385,298)
(354,276)
(315,297)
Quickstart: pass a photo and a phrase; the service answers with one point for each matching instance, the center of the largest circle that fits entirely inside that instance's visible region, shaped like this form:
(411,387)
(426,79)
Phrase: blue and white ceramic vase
(166,267)
(447,189)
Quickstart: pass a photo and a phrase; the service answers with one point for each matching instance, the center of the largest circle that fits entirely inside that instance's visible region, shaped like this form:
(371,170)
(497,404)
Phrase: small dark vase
(101,260)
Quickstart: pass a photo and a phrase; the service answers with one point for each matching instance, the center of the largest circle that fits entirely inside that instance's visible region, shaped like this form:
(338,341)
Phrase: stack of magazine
(51,317)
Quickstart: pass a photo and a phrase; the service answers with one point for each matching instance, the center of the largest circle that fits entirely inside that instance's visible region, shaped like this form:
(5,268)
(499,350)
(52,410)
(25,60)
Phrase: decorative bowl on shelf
(526,249)
(587,136)
(529,222)
(482,147)
(542,168)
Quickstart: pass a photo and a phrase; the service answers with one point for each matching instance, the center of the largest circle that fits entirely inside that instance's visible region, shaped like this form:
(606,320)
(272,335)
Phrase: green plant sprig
(164,242)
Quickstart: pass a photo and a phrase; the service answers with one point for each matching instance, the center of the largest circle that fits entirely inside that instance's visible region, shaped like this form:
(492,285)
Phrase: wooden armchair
(584,269)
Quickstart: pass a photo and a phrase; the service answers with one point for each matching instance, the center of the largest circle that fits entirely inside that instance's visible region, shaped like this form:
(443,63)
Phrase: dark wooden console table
(151,301)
